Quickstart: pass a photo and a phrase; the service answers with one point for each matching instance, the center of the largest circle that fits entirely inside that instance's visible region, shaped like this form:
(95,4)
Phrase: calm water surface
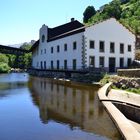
(43,109)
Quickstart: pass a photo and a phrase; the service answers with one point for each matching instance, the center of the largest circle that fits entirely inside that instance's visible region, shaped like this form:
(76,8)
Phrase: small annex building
(107,44)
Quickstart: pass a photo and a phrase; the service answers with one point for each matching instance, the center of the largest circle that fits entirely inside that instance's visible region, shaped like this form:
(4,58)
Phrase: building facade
(107,45)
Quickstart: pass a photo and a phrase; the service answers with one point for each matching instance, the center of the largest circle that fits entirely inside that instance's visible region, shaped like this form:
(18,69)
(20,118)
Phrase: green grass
(134,90)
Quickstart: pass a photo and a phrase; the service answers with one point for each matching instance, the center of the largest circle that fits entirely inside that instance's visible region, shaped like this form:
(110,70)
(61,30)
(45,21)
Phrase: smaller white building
(107,45)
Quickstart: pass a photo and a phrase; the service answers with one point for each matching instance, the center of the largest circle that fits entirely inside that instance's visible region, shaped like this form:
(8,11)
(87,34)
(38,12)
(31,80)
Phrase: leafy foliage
(88,13)
(25,60)
(4,63)
(3,58)
(4,68)
(15,61)
(126,11)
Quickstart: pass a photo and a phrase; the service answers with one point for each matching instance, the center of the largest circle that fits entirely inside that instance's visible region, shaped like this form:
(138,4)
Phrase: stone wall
(90,77)
(48,74)
(129,72)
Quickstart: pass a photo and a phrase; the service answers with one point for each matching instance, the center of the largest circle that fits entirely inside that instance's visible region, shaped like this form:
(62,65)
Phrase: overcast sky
(20,20)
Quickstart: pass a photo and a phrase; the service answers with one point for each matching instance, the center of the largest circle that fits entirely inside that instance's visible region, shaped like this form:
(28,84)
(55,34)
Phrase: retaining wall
(129,72)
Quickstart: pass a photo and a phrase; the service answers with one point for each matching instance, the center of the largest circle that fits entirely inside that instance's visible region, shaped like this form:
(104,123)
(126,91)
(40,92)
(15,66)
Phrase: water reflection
(12,81)
(75,105)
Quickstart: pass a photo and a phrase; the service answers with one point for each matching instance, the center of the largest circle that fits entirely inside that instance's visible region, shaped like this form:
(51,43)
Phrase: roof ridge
(66,24)
(68,32)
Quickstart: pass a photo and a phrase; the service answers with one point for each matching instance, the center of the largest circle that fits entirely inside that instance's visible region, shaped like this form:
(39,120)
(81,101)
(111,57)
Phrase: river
(34,108)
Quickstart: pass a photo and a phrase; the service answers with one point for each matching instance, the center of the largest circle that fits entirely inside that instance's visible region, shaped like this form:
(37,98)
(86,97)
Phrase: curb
(124,126)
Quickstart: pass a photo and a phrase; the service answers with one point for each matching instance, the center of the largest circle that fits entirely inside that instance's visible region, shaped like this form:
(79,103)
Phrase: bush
(3,58)
(4,68)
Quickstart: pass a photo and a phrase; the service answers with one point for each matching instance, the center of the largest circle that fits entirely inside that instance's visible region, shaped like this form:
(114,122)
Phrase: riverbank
(91,77)
(123,83)
(82,77)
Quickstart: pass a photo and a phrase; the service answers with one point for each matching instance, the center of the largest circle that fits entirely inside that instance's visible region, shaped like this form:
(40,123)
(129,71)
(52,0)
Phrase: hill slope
(126,11)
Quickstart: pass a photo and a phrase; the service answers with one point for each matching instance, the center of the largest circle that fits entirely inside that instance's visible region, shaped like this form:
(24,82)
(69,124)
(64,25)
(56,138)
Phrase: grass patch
(105,79)
(134,90)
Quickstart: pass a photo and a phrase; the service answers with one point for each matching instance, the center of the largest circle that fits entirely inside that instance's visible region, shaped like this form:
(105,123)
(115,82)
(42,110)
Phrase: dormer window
(43,38)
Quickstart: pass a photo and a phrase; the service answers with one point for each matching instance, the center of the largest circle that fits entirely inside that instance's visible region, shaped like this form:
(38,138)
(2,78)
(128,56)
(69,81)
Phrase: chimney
(72,19)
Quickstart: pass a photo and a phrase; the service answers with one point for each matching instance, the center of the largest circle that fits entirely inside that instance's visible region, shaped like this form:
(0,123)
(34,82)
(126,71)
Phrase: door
(74,64)
(58,64)
(44,64)
(65,64)
(121,62)
(112,64)
(41,64)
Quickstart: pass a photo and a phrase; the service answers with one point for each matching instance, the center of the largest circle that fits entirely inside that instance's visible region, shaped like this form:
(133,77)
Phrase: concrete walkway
(126,128)
(124,96)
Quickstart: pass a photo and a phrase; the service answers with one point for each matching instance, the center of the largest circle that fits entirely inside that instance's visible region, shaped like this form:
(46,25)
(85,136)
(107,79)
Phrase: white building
(107,44)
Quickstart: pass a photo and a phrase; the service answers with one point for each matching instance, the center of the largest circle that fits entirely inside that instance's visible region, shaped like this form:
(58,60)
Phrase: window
(91,43)
(41,64)
(121,62)
(74,64)
(57,64)
(129,48)
(65,47)
(129,61)
(41,51)
(112,47)
(92,61)
(37,64)
(58,48)
(44,51)
(43,38)
(74,45)
(44,64)
(65,64)
(51,64)
(51,49)
(102,45)
(101,62)
(121,48)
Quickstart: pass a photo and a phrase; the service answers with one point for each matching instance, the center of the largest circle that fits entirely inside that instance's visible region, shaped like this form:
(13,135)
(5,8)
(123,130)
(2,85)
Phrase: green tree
(4,64)
(88,13)
(3,58)
(126,11)
(113,9)
(4,68)
(25,59)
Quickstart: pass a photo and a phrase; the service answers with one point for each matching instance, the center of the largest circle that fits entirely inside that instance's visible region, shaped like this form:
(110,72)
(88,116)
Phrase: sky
(20,20)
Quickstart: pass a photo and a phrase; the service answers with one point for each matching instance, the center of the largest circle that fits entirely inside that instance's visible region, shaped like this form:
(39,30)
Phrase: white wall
(107,31)
(68,55)
(110,31)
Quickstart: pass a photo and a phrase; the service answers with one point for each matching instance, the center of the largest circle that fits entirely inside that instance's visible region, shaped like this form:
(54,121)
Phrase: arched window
(43,38)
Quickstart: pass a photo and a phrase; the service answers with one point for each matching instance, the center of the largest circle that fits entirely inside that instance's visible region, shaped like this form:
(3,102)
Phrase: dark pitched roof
(62,31)
(65,28)
(36,44)
(13,48)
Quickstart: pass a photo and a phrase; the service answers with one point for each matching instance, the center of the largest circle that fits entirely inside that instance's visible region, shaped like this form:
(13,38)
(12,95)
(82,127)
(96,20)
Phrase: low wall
(90,77)
(129,72)
(47,74)
(124,126)
(131,112)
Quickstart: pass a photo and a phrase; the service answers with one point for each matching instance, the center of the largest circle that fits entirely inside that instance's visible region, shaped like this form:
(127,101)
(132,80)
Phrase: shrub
(4,68)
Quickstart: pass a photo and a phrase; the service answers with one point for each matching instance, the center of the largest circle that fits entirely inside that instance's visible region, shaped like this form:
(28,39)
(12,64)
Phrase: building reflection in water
(72,104)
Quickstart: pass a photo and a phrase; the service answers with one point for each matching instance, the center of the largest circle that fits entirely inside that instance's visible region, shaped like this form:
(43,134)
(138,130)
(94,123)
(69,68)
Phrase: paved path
(128,130)
(124,96)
